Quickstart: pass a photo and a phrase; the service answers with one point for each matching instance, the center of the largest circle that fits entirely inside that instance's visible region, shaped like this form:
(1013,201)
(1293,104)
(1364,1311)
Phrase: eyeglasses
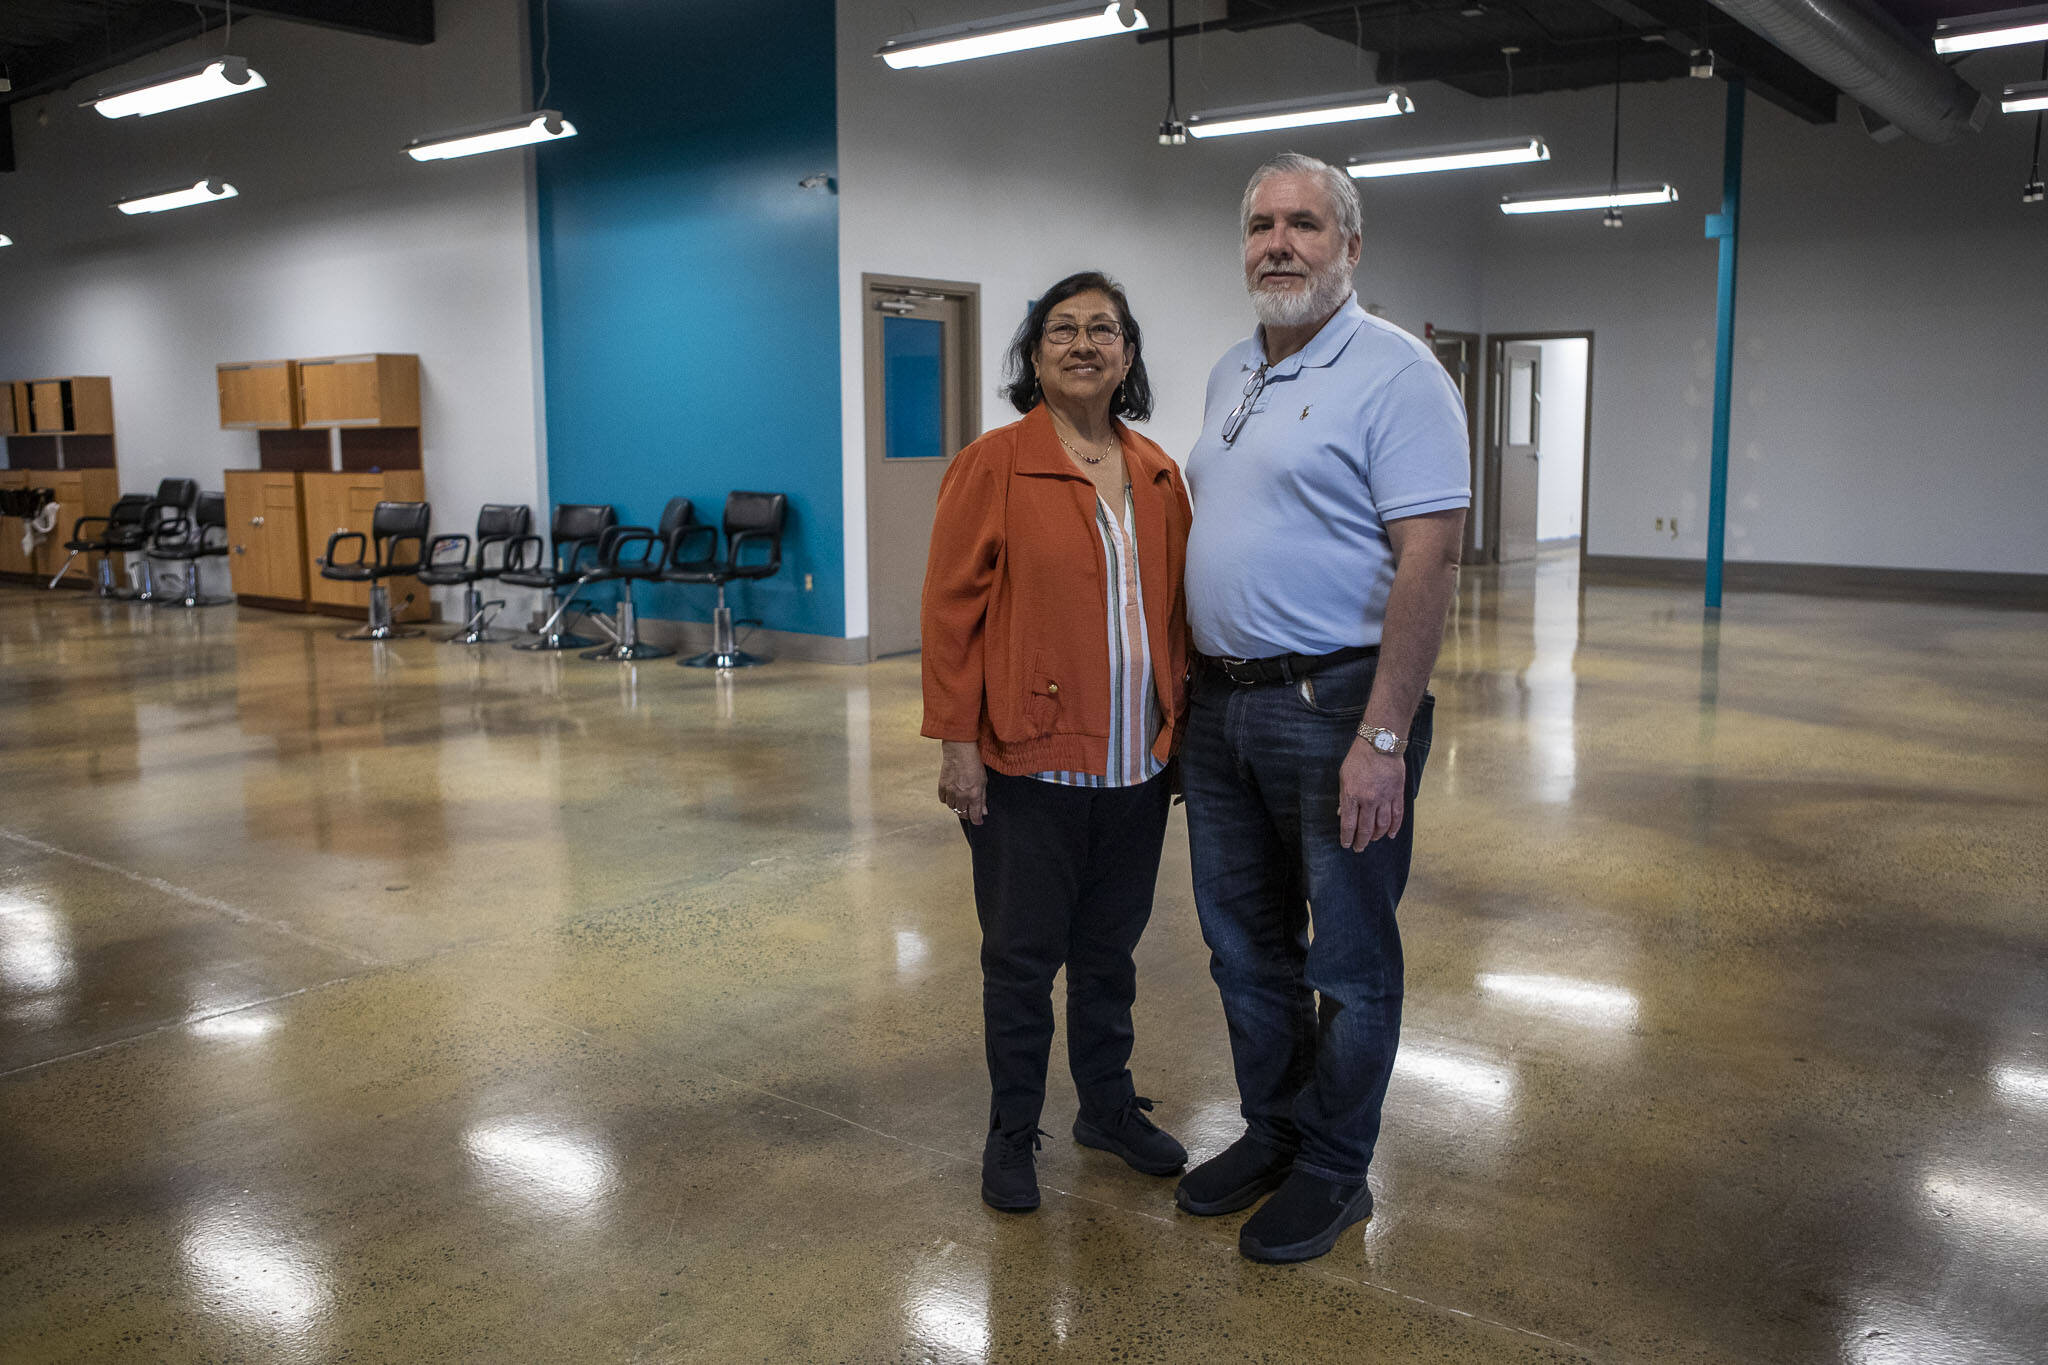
(1101,333)
(1234,423)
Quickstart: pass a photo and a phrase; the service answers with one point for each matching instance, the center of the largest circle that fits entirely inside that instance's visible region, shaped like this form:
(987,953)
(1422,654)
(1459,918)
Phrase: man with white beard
(1330,485)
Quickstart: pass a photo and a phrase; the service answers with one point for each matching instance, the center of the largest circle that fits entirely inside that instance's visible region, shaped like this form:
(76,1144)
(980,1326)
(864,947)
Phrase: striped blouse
(1134,715)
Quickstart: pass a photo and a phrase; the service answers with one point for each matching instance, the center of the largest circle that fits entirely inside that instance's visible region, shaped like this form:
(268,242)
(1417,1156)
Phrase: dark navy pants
(1313,1022)
(1063,877)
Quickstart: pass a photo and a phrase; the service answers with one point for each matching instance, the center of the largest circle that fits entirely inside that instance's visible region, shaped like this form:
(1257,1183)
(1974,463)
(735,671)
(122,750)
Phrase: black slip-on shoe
(1234,1178)
(1129,1134)
(1009,1173)
(1304,1219)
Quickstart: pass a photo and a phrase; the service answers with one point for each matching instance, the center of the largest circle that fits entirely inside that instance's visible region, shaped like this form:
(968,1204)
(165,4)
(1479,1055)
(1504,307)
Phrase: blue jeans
(1260,767)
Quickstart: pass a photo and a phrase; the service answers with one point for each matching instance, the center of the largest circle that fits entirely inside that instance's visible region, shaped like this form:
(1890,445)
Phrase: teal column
(1724,225)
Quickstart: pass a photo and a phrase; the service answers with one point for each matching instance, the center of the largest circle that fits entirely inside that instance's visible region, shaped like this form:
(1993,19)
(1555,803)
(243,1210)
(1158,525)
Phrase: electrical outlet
(1674,528)
(1660,523)
(807,582)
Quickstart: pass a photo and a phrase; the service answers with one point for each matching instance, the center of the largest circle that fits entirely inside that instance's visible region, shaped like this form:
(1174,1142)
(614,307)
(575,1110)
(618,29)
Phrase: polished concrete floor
(408,1003)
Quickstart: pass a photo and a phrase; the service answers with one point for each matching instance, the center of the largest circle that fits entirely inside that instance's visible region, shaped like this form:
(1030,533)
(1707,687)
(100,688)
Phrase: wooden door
(348,502)
(1518,407)
(260,396)
(12,560)
(266,539)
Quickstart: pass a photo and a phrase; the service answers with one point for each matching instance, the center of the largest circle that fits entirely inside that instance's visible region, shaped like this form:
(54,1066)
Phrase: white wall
(1561,438)
(1013,172)
(337,244)
(1890,408)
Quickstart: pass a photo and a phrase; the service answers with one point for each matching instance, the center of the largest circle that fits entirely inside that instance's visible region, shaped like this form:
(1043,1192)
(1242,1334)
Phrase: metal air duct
(1866,55)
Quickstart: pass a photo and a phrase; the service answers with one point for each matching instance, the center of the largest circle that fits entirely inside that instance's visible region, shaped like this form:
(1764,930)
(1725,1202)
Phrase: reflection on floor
(412,1003)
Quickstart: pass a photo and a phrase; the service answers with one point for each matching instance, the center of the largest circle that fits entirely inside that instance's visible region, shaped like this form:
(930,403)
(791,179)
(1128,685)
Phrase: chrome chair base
(725,651)
(551,636)
(477,615)
(626,646)
(379,626)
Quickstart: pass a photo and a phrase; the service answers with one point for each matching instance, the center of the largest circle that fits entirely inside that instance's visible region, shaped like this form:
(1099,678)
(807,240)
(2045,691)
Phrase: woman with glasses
(1055,665)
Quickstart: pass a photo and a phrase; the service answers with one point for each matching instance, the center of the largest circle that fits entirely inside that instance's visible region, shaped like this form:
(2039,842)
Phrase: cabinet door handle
(255,521)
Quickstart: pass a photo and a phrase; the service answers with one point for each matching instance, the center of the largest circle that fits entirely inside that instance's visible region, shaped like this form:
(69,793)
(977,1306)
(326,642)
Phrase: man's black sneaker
(1304,1219)
(1009,1173)
(1234,1178)
(1132,1136)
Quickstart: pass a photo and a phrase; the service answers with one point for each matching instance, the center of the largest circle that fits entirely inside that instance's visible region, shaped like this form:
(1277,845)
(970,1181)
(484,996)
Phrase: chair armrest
(680,539)
(78,526)
(362,543)
(483,553)
(740,540)
(175,527)
(627,537)
(569,553)
(393,563)
(434,560)
(523,553)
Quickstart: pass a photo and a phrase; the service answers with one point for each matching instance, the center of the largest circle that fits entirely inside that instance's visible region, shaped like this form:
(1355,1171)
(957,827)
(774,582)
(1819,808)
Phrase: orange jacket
(1016,650)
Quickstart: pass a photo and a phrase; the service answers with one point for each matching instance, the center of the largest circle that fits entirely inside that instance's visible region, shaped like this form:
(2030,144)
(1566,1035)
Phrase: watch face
(1384,742)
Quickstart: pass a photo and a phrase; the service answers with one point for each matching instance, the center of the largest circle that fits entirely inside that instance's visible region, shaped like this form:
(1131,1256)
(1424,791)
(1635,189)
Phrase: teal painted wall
(689,288)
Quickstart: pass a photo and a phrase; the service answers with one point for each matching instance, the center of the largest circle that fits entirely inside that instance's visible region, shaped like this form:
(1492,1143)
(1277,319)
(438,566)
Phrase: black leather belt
(1283,668)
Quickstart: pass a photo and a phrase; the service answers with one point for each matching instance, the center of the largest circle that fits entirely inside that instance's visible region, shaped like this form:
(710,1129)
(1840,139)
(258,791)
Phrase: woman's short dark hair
(1132,399)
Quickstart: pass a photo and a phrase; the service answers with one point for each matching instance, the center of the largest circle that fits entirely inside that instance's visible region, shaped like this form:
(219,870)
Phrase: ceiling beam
(402,21)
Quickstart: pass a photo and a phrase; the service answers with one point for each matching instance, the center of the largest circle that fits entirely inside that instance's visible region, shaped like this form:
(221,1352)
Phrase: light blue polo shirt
(1289,549)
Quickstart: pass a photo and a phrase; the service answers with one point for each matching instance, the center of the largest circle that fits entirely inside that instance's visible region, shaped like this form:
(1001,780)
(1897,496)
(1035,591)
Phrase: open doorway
(1458,352)
(1539,443)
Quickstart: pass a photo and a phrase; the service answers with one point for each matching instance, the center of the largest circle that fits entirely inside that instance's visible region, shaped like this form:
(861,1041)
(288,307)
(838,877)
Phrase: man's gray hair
(1337,186)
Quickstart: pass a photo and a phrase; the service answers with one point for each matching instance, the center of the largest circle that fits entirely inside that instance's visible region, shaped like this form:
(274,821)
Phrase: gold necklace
(1077,454)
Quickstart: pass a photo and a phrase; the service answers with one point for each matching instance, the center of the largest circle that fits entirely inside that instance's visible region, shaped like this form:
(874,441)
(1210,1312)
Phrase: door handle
(255,521)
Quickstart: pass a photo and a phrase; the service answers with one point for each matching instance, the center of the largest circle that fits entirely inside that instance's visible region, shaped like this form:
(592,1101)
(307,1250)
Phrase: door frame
(1495,344)
(873,398)
(1476,343)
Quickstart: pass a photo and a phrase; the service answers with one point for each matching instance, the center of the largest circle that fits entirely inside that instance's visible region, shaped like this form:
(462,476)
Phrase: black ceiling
(1560,44)
(46,45)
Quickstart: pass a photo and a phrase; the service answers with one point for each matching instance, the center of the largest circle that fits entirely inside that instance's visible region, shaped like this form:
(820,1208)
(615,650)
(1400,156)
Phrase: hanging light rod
(204,192)
(1464,156)
(195,84)
(543,125)
(1302,113)
(2024,98)
(1626,196)
(1012,33)
(2001,28)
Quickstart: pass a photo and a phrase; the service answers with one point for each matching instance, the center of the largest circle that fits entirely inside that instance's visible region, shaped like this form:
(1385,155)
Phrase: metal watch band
(1366,733)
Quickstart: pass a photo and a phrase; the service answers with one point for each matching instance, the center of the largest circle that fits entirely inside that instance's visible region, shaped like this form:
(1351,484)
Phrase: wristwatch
(1385,741)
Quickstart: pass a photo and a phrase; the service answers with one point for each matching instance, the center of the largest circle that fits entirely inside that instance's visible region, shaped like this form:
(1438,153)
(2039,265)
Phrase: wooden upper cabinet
(360,391)
(13,410)
(79,406)
(259,395)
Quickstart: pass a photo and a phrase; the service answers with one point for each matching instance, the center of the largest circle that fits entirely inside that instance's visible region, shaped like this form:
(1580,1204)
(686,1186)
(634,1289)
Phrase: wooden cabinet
(360,391)
(266,534)
(80,406)
(260,395)
(346,502)
(13,410)
(79,493)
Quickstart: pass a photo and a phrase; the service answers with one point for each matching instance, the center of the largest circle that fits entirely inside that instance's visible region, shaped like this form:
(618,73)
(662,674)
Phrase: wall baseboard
(694,637)
(2026,591)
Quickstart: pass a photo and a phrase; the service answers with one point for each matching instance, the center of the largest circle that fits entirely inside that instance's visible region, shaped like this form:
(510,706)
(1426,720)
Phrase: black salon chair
(394,548)
(636,554)
(452,563)
(175,498)
(753,549)
(191,538)
(577,529)
(123,530)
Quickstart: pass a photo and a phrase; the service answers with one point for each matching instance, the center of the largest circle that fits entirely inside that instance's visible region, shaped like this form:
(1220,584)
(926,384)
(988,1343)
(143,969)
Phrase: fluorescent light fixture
(205,192)
(217,79)
(1009,33)
(543,125)
(1628,196)
(5,240)
(2001,28)
(1464,156)
(1303,113)
(2024,98)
